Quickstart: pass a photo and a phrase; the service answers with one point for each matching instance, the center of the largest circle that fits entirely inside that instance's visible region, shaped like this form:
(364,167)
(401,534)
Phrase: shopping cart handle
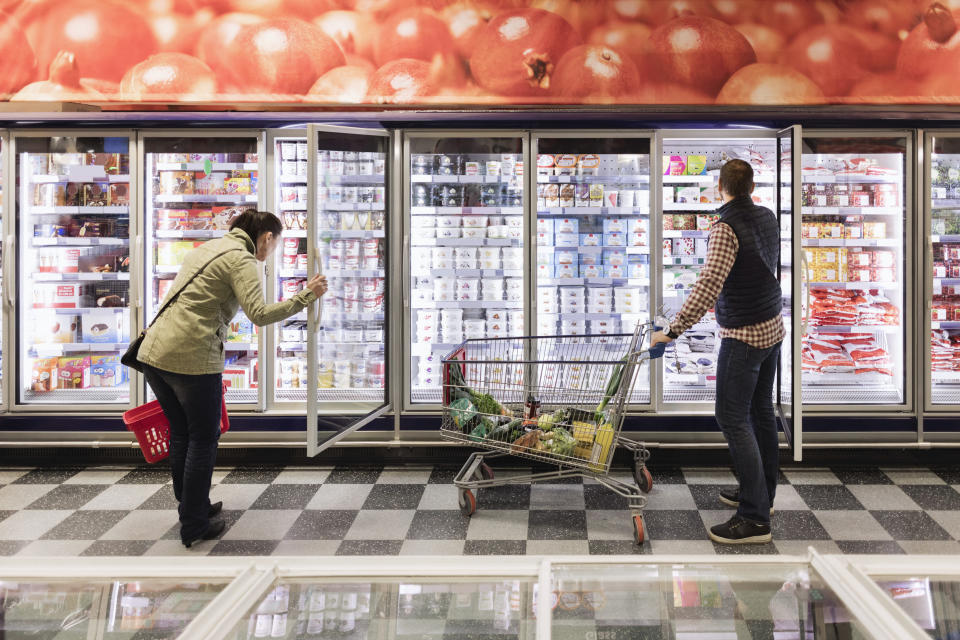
(656,351)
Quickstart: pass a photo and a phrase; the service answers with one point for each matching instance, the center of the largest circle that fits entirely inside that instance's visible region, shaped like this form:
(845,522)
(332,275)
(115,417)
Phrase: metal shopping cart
(558,400)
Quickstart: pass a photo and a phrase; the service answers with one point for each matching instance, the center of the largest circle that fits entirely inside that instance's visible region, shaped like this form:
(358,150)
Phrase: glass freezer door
(943,299)
(347,336)
(73,262)
(7,300)
(195,187)
(465,208)
(854,230)
(593,237)
(787,198)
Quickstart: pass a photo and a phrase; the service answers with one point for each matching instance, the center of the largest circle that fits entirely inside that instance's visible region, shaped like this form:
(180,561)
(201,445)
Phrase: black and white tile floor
(389,511)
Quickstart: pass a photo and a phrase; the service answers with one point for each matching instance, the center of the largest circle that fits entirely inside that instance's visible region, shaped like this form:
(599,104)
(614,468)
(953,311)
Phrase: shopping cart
(558,400)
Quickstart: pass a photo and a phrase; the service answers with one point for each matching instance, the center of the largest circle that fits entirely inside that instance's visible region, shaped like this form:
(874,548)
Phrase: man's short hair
(737,178)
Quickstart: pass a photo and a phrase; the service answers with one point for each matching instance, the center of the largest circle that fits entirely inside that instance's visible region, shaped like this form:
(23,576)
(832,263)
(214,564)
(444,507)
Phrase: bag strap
(176,295)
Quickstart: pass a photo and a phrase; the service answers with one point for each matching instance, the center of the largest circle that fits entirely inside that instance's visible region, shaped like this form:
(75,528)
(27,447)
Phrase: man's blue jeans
(192,405)
(744,411)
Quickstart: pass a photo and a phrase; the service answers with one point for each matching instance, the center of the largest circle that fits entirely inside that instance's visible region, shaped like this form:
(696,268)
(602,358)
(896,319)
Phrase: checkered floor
(390,511)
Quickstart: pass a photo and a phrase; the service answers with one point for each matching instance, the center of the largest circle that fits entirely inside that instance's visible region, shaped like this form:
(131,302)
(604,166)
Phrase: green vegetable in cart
(562,443)
(502,432)
(485,403)
(481,431)
(463,412)
(613,385)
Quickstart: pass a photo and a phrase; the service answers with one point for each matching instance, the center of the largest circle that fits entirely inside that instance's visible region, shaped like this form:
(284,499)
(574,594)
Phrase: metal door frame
(313,446)
(908,407)
(665,136)
(135,381)
(145,134)
(795,437)
(7,309)
(925,249)
(530,317)
(408,406)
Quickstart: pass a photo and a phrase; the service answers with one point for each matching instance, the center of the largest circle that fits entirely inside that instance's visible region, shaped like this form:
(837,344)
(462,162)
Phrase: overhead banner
(481,52)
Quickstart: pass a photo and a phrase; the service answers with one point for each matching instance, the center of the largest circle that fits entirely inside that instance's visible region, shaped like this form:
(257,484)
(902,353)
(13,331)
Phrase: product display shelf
(945,284)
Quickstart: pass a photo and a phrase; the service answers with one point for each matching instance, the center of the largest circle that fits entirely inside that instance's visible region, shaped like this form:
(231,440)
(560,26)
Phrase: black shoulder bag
(129,358)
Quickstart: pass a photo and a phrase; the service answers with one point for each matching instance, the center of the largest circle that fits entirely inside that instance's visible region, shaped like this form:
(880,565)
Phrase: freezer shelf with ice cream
(196,187)
(690,199)
(853,263)
(466,253)
(74,269)
(350,236)
(945,285)
(593,230)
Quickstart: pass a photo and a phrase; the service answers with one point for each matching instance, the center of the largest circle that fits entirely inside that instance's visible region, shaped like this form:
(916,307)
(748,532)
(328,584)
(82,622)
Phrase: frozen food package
(675,165)
(545,164)
(588,164)
(567,225)
(565,164)
(582,195)
(874,230)
(688,195)
(696,165)
(567,195)
(667,248)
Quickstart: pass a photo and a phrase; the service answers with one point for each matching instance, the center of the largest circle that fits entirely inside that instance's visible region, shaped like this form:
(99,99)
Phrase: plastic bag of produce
(463,413)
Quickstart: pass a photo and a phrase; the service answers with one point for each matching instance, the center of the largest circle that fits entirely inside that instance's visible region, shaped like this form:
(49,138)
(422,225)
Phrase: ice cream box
(685,246)
(590,271)
(591,258)
(95,195)
(74,372)
(566,240)
(101,327)
(566,225)
(566,257)
(684,222)
(668,195)
(591,239)
(588,164)
(545,164)
(874,230)
(545,225)
(668,248)
(106,371)
(615,225)
(614,257)
(674,165)
(668,222)
(704,222)
(637,239)
(637,225)
(616,271)
(45,375)
(241,329)
(545,239)
(581,197)
(710,195)
(238,186)
(119,194)
(688,195)
(57,296)
(565,271)
(615,239)
(696,165)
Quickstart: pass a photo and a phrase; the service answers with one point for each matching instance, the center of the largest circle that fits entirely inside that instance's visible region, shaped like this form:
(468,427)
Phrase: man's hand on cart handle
(659,337)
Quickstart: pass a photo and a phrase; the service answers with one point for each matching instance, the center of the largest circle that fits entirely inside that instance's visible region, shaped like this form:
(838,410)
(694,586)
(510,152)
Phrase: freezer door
(348,341)
(788,373)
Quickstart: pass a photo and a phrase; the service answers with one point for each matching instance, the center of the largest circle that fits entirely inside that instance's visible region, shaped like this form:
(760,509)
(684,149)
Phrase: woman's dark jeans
(192,404)
(744,411)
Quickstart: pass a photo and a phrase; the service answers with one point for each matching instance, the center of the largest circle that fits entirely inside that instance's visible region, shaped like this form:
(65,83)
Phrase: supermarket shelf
(690,206)
(293,179)
(430,211)
(355,273)
(52,349)
(205,197)
(944,325)
(353,206)
(295,233)
(166,270)
(698,393)
(813,330)
(113,210)
(291,273)
(832,391)
(945,377)
(950,238)
(845,242)
(240,346)
(293,206)
(242,396)
(331,395)
(598,248)
(79,242)
(79,311)
(617,179)
(38,179)
(641,250)
(424,395)
(701,179)
(594,211)
(857,211)
(373,178)
(83,277)
(815,178)
(349,233)
(200,233)
(466,242)
(343,317)
(685,234)
(946,203)
(633,282)
(478,273)
(855,285)
(597,316)
(201,166)
(948,395)
(93,395)
(946,281)
(471,304)
(684,261)
(464,179)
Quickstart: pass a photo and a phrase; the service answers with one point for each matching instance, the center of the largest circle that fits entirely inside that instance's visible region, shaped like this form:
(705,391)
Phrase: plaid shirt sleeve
(721,254)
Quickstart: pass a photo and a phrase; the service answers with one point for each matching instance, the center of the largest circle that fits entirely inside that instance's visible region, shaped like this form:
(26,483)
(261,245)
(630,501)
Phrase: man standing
(740,281)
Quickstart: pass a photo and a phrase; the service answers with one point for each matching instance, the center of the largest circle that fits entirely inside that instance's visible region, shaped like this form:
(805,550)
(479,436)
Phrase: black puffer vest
(751,293)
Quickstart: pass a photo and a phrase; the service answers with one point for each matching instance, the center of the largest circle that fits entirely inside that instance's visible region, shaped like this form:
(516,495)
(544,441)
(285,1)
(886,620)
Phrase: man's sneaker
(731,498)
(736,530)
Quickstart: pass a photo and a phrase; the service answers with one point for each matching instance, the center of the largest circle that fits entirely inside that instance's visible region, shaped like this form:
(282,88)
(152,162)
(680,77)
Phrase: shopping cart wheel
(468,503)
(486,472)
(638,532)
(642,476)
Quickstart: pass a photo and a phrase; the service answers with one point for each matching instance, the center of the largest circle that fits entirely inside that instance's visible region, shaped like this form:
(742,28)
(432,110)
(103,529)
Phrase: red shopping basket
(152,429)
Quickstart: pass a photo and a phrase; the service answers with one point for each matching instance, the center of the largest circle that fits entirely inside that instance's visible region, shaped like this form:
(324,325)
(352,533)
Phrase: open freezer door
(347,231)
(791,273)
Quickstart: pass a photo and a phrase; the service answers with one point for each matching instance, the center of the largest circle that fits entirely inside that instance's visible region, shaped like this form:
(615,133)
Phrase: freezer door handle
(8,251)
(805,300)
(138,255)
